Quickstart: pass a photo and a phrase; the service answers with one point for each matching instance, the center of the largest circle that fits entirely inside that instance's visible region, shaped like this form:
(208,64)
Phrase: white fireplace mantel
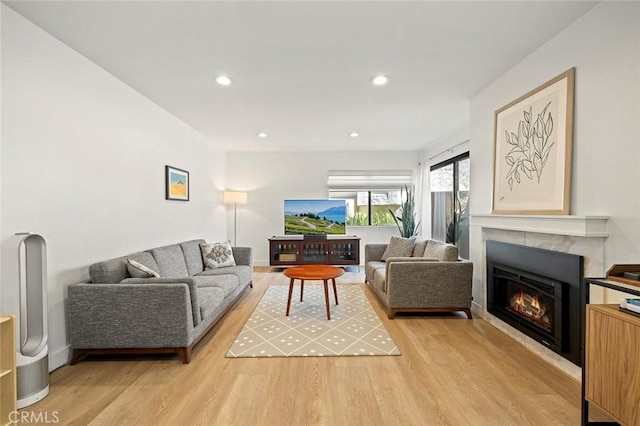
(578,226)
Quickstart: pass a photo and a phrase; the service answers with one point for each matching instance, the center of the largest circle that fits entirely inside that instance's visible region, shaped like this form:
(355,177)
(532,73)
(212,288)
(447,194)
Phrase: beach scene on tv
(314,217)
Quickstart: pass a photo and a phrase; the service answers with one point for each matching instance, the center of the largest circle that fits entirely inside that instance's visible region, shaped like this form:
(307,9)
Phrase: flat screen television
(315,217)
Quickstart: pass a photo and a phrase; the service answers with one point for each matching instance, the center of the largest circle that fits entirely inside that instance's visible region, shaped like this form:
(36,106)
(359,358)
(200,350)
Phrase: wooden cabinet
(297,250)
(345,252)
(612,362)
(7,368)
(610,348)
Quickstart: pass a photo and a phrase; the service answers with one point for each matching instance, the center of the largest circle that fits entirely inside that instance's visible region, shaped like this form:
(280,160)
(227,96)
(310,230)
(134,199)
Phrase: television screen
(314,217)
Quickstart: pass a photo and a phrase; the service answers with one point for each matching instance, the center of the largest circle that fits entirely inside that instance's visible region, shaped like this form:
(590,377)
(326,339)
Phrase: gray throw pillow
(399,247)
(217,255)
(441,251)
(138,270)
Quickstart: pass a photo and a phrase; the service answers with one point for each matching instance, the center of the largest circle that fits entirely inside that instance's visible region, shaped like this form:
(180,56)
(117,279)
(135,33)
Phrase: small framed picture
(177,184)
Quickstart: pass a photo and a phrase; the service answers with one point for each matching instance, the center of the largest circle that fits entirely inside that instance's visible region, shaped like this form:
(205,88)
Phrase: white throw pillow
(399,247)
(138,270)
(217,255)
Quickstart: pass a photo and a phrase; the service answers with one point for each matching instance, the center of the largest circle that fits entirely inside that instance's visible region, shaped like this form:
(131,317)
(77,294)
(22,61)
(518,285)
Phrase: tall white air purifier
(26,294)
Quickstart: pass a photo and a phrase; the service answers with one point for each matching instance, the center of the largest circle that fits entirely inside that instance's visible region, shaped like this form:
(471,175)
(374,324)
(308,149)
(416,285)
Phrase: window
(369,194)
(366,208)
(449,183)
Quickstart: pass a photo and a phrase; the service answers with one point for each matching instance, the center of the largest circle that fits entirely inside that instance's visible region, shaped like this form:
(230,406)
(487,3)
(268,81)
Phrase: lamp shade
(235,197)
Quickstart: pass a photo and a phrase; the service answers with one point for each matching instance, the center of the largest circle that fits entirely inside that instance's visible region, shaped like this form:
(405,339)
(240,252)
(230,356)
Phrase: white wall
(272,177)
(1,62)
(604,46)
(83,159)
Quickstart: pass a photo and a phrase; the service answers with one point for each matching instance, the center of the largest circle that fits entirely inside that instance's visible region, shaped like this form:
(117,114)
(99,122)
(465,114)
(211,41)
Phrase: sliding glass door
(449,183)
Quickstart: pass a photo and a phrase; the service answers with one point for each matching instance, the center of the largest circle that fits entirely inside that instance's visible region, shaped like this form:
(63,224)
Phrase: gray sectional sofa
(117,313)
(429,277)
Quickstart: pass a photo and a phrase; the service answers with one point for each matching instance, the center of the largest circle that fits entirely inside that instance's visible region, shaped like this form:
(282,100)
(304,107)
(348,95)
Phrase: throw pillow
(138,270)
(399,247)
(441,251)
(217,255)
(418,249)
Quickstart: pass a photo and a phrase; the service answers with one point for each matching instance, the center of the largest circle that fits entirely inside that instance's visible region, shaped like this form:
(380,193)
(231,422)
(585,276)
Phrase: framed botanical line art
(176,184)
(532,150)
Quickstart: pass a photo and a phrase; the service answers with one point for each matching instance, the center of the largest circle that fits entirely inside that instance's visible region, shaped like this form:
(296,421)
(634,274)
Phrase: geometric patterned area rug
(354,328)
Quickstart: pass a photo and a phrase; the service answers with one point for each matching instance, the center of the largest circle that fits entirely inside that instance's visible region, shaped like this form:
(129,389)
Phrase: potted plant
(406,220)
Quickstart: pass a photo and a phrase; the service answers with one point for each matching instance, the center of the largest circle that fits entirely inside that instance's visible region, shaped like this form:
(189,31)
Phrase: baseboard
(476,310)
(59,357)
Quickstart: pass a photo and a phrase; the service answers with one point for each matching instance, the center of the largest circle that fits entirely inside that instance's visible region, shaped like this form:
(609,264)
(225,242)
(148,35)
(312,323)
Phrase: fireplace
(537,292)
(528,301)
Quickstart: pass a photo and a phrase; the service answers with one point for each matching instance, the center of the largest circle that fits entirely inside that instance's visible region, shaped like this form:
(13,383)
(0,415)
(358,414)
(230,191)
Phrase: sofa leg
(468,312)
(185,354)
(77,356)
(251,284)
(391,313)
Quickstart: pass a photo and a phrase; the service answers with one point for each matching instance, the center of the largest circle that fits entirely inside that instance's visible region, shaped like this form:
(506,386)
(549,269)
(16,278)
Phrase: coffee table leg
(335,293)
(326,298)
(289,298)
(301,289)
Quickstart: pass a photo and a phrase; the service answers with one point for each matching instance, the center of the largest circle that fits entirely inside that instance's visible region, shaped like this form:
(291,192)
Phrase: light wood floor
(452,371)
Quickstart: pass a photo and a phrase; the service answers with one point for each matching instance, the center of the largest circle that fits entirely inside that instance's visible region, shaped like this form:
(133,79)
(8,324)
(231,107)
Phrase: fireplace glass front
(528,301)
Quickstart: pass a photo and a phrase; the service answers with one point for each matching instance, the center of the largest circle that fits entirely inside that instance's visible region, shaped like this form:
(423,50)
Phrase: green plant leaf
(406,222)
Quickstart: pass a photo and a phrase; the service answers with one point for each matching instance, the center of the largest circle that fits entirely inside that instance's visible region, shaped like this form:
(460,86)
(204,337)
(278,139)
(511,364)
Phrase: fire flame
(528,305)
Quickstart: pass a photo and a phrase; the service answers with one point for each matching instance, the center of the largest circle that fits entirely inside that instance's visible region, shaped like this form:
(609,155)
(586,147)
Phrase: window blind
(369,180)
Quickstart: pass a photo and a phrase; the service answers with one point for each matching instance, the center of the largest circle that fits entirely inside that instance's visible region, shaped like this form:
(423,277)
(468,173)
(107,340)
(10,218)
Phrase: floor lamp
(236,198)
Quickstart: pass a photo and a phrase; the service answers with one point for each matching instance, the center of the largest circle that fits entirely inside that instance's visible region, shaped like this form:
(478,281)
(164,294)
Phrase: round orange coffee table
(313,272)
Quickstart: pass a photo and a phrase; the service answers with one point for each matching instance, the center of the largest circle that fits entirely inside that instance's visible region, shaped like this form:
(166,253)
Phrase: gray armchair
(435,280)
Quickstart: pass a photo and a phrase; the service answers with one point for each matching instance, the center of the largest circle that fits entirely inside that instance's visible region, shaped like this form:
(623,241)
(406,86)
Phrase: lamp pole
(235,198)
(235,222)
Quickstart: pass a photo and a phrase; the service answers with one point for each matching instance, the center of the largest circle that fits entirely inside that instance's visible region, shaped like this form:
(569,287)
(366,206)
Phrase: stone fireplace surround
(582,235)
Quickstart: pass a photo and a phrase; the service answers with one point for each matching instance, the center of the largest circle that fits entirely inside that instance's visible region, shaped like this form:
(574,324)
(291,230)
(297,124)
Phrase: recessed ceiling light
(223,80)
(262,135)
(380,80)
(354,134)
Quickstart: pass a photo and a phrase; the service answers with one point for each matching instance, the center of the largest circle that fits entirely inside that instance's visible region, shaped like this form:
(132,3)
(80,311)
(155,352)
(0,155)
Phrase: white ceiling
(302,69)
